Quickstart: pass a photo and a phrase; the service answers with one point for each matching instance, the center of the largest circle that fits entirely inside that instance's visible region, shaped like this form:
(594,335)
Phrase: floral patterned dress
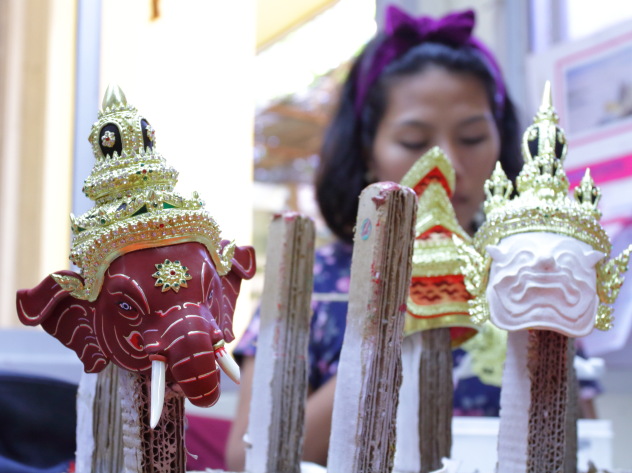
(332,267)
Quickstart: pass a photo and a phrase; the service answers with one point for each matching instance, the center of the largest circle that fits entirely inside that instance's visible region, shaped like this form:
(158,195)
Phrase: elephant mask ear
(244,263)
(243,267)
(69,320)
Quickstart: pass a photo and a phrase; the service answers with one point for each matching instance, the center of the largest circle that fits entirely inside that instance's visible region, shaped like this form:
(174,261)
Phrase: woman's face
(439,108)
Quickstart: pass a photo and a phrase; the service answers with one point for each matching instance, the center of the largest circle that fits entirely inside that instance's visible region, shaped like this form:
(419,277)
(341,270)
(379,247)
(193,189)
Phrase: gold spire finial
(498,189)
(546,112)
(588,194)
(544,137)
(544,149)
(547,97)
(114,97)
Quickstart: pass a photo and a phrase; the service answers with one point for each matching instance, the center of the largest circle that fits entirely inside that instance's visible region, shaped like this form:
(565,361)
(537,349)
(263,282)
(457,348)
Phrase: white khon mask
(543,281)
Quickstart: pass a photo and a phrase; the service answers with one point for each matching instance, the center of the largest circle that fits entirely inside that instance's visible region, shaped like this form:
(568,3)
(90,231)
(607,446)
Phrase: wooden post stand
(424,415)
(369,374)
(113,426)
(538,423)
(275,428)
(435,398)
(437,319)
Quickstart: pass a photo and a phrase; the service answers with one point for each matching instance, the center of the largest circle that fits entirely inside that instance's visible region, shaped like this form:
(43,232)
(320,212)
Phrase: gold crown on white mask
(542,204)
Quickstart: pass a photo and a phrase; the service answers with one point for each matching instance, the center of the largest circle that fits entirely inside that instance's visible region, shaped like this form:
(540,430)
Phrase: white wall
(37,45)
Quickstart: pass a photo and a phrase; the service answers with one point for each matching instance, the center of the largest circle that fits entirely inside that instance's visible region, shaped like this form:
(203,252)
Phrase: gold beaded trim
(103,246)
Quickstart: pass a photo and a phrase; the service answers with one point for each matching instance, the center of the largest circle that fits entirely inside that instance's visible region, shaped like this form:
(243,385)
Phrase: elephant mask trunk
(188,352)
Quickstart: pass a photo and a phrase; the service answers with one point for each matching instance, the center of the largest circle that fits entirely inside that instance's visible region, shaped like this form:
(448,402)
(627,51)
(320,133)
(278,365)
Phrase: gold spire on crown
(135,205)
(542,205)
(123,143)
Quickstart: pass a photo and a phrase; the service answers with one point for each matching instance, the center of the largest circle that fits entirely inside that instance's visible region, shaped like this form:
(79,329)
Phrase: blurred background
(239,94)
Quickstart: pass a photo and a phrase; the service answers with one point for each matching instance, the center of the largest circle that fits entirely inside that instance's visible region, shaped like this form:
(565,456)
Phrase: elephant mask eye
(126,306)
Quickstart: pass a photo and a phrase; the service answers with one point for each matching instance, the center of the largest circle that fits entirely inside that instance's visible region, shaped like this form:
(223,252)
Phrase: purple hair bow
(454,28)
(403,32)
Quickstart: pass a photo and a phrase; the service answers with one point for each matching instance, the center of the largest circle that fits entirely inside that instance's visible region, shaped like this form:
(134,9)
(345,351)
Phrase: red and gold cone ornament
(438,296)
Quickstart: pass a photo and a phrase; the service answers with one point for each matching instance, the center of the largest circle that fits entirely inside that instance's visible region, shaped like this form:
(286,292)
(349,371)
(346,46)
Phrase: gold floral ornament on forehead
(171,275)
(135,203)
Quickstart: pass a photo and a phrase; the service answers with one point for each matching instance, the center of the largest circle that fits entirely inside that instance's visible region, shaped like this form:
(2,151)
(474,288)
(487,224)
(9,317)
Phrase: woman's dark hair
(348,141)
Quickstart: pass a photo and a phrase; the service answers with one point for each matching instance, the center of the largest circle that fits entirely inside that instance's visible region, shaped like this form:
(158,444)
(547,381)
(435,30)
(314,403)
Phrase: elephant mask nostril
(135,339)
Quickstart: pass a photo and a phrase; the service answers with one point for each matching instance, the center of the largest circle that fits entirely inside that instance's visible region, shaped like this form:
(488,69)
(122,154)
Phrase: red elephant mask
(165,304)
(158,285)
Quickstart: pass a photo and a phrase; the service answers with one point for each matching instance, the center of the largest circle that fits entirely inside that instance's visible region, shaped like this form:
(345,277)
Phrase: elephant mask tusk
(226,362)
(158,368)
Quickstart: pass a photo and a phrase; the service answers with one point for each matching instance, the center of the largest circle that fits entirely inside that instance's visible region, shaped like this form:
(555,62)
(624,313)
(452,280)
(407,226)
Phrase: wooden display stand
(369,373)
(275,428)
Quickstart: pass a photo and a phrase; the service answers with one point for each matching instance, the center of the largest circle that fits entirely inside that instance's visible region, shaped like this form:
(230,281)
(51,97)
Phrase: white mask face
(543,281)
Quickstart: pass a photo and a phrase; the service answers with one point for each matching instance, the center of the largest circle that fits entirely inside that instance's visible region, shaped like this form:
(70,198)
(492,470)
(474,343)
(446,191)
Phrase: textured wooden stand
(538,416)
(424,415)
(113,433)
(369,374)
(436,391)
(275,428)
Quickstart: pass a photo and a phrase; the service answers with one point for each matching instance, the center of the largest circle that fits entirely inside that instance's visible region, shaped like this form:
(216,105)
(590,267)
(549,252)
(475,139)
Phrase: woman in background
(419,83)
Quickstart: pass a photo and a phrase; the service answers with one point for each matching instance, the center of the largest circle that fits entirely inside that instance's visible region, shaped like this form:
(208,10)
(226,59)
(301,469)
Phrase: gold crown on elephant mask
(135,205)
(542,205)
